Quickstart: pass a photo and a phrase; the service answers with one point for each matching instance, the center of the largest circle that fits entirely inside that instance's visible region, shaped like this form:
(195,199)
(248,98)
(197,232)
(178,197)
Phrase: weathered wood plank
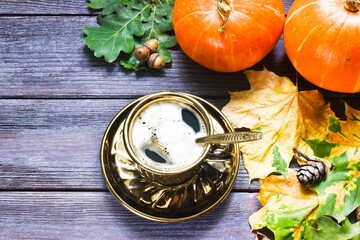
(52,61)
(33,7)
(36,7)
(97,215)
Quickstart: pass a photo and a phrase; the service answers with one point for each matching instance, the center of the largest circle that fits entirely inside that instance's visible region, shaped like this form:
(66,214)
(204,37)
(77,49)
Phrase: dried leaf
(288,207)
(285,116)
(340,193)
(288,118)
(292,211)
(345,133)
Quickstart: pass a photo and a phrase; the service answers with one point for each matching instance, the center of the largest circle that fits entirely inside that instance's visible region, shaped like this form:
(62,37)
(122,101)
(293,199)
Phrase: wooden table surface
(56,100)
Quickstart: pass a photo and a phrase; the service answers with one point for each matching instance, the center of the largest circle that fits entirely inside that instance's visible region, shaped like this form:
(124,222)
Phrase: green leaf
(108,6)
(325,229)
(292,211)
(126,24)
(279,163)
(334,125)
(289,225)
(339,194)
(108,41)
(321,148)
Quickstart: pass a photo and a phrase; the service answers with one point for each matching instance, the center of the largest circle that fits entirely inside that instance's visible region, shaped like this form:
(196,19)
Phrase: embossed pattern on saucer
(206,189)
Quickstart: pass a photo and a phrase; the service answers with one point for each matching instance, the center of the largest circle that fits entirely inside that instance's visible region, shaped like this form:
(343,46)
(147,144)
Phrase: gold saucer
(206,189)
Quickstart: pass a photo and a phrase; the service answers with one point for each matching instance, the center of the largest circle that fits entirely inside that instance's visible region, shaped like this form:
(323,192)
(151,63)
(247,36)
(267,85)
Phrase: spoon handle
(232,137)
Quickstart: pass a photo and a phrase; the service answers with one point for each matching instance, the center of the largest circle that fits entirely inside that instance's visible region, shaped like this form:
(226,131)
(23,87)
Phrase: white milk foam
(161,131)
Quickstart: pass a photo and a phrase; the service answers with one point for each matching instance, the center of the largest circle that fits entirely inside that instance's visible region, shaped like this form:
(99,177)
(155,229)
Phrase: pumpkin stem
(352,5)
(224,9)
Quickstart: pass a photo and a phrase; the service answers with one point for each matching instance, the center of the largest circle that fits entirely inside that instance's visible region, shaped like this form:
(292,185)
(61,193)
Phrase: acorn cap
(155,61)
(152,45)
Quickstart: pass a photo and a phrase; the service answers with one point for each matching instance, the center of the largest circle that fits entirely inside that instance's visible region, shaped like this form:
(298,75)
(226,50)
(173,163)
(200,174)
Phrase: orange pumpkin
(322,40)
(228,35)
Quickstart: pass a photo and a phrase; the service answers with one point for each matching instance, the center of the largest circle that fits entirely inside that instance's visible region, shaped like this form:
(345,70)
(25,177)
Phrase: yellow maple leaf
(285,116)
(346,133)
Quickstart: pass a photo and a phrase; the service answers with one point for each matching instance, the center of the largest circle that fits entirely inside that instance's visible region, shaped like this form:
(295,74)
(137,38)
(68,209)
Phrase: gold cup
(177,194)
(174,175)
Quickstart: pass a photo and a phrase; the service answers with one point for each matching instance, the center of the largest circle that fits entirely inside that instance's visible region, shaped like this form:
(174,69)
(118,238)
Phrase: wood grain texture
(52,61)
(44,7)
(36,7)
(97,215)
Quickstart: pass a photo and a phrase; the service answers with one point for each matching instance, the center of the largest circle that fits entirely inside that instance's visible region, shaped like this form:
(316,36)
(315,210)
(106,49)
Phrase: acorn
(155,61)
(152,45)
(142,53)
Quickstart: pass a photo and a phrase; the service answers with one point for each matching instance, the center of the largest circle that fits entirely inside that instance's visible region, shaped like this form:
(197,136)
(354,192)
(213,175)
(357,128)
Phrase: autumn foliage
(289,118)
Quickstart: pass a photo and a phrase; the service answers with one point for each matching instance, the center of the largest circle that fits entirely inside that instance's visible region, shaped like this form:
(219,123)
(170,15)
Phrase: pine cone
(312,172)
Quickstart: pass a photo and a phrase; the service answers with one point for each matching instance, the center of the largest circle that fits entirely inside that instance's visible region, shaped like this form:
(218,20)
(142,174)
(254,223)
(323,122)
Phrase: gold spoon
(232,137)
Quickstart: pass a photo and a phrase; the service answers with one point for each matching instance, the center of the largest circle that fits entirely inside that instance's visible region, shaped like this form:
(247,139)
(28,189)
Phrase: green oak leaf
(107,6)
(325,229)
(124,25)
(110,41)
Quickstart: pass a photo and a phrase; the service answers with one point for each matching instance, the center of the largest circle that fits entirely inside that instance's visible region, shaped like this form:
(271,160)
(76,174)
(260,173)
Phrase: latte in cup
(163,135)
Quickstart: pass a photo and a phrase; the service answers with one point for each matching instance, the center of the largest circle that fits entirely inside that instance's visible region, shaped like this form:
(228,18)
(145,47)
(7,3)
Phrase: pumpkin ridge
(275,11)
(298,50)
(200,36)
(325,72)
(299,10)
(194,13)
(243,16)
(241,6)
